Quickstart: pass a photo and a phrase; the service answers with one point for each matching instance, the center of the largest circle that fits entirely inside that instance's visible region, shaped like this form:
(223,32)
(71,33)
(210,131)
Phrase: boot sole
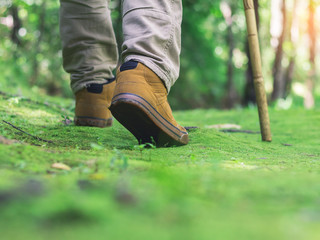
(145,123)
(93,122)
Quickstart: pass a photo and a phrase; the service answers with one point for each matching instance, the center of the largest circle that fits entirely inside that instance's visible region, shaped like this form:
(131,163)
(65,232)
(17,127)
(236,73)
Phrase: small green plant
(66,120)
(119,161)
(143,147)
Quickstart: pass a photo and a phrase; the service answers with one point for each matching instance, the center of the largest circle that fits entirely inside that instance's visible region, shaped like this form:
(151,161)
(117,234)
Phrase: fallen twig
(286,144)
(238,131)
(191,128)
(19,129)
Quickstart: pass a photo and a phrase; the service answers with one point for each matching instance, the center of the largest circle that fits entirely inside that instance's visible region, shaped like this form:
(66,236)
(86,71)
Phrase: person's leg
(89,46)
(90,55)
(150,53)
(152,36)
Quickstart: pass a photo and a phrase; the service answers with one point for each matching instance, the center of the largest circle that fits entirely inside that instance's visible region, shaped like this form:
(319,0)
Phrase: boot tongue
(129,65)
(95,88)
(98,87)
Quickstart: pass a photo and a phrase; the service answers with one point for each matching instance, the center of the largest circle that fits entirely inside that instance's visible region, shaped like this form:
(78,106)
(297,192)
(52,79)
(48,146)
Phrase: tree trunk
(17,24)
(278,79)
(118,27)
(249,92)
(231,94)
(309,99)
(294,35)
(41,26)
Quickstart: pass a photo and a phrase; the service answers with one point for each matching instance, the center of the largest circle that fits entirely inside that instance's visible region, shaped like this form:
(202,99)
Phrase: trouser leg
(89,46)
(152,36)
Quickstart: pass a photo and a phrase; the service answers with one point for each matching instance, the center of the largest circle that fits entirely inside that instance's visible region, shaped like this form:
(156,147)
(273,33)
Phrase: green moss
(221,185)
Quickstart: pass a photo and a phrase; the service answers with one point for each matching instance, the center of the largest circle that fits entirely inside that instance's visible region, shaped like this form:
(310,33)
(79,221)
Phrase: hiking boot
(140,104)
(92,105)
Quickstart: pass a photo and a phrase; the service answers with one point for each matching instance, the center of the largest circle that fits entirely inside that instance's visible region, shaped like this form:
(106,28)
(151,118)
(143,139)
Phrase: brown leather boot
(92,105)
(140,104)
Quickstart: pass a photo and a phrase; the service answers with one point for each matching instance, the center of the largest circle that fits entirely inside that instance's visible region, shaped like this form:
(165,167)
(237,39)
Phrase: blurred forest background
(214,60)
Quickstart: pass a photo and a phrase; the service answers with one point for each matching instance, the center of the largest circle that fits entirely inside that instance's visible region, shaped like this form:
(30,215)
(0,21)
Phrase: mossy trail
(220,186)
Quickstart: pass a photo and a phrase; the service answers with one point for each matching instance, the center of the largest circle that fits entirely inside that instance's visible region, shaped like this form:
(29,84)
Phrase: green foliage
(205,54)
(36,63)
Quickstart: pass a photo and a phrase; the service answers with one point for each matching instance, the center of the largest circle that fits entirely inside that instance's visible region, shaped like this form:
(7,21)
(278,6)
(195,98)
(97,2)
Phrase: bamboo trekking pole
(255,56)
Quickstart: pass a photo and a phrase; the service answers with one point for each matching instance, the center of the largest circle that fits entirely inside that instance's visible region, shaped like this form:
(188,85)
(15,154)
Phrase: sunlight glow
(7,21)
(299,89)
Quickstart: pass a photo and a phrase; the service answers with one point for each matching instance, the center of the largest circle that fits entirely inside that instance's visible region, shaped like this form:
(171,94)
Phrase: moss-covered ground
(220,186)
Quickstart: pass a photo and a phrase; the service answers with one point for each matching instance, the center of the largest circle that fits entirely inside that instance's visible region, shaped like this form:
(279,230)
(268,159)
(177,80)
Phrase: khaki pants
(152,36)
